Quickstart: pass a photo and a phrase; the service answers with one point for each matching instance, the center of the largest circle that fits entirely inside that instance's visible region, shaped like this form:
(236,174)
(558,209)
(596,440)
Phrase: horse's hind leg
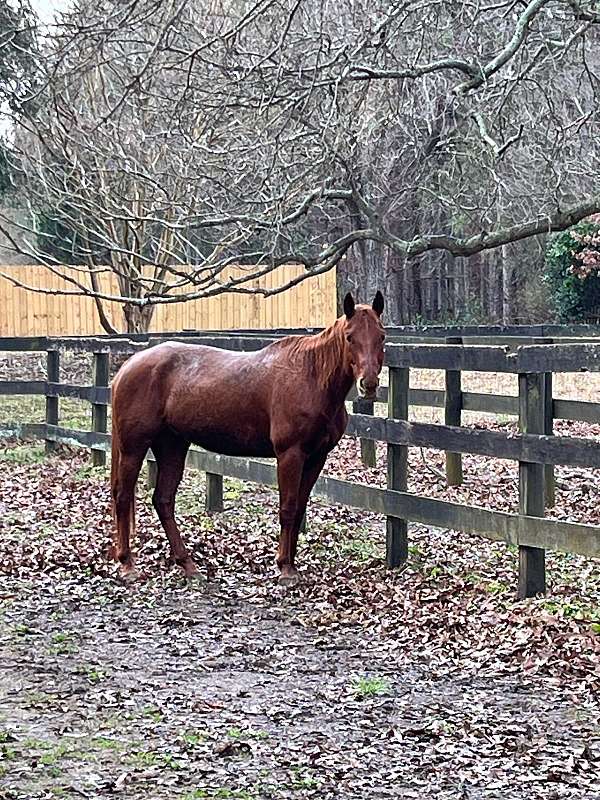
(170,453)
(123,489)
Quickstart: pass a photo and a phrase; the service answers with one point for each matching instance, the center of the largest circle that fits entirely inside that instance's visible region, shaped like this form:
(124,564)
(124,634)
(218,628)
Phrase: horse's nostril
(365,387)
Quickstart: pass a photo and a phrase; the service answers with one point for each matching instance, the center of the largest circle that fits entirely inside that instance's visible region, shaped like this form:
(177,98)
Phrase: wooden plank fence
(534,447)
(31,313)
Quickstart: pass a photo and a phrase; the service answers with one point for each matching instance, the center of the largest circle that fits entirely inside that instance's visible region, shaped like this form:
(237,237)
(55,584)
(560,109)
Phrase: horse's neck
(337,382)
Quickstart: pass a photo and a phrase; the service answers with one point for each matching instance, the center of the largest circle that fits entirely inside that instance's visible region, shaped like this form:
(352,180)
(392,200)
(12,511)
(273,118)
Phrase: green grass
(64,643)
(303,779)
(87,471)
(194,738)
(238,733)
(220,793)
(573,609)
(363,688)
(362,550)
(73,413)
(23,454)
(140,759)
(153,713)
(104,743)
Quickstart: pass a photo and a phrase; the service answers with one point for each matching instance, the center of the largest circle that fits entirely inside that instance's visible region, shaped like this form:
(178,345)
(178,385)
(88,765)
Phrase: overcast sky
(47,8)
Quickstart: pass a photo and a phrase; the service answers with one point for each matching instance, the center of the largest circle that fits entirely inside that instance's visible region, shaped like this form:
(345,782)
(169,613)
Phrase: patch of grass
(54,753)
(238,733)
(31,743)
(74,413)
(24,630)
(573,609)
(153,713)
(369,687)
(362,550)
(233,489)
(193,738)
(104,743)
(64,643)
(88,472)
(93,674)
(7,753)
(435,571)
(303,779)
(23,454)
(39,700)
(496,587)
(150,758)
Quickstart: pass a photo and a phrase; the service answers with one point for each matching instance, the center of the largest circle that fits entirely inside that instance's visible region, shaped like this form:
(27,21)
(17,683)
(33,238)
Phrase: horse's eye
(349,339)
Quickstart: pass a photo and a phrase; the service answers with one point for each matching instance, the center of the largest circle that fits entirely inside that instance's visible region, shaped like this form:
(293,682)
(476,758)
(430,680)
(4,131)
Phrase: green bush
(572,271)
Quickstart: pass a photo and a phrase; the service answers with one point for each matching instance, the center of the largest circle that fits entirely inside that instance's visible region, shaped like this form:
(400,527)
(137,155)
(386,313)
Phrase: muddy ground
(428,682)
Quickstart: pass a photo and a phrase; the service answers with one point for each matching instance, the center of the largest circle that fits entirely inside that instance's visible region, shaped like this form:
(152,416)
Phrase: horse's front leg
(290,465)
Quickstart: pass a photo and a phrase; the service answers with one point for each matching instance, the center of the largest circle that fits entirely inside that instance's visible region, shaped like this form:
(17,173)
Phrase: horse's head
(365,336)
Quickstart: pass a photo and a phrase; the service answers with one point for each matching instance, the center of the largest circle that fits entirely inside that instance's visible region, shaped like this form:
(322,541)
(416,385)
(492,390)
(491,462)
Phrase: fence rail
(535,448)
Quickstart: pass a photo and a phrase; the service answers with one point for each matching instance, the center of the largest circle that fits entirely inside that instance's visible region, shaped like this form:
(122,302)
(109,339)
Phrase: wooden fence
(30,313)
(535,448)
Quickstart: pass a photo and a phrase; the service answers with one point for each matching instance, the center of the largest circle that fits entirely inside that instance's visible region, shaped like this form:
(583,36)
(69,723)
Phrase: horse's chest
(330,431)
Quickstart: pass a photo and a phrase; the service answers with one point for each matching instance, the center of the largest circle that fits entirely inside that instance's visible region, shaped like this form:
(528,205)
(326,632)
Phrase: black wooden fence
(535,448)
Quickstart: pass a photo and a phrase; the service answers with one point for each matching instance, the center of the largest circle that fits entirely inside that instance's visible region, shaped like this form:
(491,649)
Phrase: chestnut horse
(286,400)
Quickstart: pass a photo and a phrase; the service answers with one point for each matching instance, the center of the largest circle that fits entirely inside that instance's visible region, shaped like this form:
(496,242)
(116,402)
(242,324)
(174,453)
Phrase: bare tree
(174,139)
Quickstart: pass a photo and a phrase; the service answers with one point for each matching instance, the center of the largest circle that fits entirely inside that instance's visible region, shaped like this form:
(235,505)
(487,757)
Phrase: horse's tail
(115,461)
(115,470)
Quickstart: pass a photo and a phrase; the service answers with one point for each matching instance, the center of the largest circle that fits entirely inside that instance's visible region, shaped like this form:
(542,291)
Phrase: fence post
(152,473)
(101,367)
(52,376)
(367,446)
(550,486)
(214,492)
(532,560)
(452,416)
(397,467)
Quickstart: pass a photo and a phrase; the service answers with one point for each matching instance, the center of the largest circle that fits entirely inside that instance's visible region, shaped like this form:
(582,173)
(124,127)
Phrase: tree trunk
(137,318)
(508,311)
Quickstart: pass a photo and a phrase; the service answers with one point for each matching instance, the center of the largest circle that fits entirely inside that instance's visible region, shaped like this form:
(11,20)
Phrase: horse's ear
(378,303)
(349,306)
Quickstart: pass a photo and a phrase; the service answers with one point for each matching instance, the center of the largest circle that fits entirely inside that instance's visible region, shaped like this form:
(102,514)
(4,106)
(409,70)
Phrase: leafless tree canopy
(177,137)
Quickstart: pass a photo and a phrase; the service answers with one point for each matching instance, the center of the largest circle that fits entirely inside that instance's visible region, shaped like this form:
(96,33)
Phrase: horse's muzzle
(367,390)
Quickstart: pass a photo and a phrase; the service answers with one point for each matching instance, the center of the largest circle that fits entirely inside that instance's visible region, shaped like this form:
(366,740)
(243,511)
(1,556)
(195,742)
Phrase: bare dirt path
(428,683)
(177,693)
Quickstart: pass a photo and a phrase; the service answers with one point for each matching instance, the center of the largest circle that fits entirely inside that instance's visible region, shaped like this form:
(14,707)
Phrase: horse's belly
(230,444)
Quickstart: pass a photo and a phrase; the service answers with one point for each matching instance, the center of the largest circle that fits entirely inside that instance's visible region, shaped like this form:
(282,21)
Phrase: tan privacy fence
(26,313)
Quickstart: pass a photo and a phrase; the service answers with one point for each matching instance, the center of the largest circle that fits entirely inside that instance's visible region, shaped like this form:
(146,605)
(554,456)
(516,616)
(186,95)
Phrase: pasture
(431,680)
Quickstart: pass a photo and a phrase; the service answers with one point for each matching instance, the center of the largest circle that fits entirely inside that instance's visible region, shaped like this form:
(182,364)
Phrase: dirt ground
(427,682)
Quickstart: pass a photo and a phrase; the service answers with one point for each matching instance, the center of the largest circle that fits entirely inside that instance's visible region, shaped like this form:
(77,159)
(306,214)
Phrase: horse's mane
(323,351)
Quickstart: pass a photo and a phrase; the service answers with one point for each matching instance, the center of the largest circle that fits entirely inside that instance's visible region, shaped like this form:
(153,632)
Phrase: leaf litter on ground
(245,689)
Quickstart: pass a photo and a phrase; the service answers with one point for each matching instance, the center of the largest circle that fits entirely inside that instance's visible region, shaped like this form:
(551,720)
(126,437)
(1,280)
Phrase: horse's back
(216,398)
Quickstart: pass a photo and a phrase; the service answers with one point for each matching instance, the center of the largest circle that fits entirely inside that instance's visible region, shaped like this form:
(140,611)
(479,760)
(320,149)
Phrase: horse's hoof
(289,580)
